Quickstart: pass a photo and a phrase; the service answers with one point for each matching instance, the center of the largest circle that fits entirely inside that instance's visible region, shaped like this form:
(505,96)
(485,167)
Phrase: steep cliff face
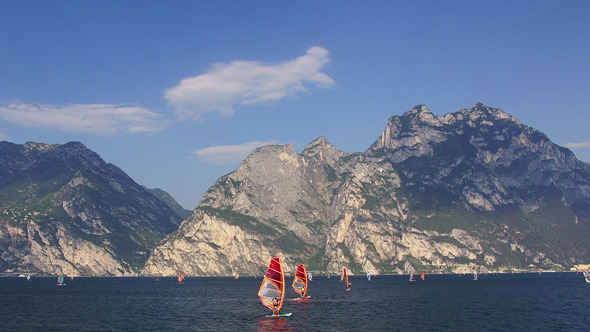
(62,208)
(523,197)
(475,189)
(483,155)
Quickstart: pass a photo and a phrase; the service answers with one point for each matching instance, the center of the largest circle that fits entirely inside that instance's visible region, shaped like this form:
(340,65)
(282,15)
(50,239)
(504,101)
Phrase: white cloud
(227,154)
(579,145)
(227,85)
(99,119)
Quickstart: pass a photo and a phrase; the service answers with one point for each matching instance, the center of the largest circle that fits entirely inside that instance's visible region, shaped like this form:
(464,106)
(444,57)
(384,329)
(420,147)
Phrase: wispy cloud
(579,145)
(4,137)
(228,154)
(99,119)
(228,85)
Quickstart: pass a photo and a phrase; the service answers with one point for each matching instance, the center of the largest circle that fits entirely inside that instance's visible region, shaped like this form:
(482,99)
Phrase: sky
(177,93)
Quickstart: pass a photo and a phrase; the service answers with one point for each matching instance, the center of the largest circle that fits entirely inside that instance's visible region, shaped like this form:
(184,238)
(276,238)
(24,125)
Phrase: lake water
(519,302)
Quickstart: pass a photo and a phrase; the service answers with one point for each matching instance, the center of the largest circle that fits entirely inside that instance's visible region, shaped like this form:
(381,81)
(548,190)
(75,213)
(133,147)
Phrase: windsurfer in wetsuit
(302,291)
(275,304)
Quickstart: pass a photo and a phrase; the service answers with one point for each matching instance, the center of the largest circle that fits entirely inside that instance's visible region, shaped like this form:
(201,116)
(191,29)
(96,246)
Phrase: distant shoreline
(333,276)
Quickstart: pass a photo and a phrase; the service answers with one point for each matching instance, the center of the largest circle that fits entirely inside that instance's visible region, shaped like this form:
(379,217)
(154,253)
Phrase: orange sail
(422,276)
(346,279)
(273,286)
(300,280)
(180,278)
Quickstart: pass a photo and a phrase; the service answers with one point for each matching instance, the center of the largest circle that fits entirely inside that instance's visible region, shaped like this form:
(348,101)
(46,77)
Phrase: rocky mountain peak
(421,115)
(481,112)
(511,155)
(321,149)
(39,147)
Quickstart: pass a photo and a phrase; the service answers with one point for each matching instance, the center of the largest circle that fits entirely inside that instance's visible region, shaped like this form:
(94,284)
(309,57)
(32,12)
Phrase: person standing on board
(275,304)
(302,292)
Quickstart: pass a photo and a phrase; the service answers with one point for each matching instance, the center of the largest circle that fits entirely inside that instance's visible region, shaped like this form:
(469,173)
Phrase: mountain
(63,209)
(170,201)
(474,189)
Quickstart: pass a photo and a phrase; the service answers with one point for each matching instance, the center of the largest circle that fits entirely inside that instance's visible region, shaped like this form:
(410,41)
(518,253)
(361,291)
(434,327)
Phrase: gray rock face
(63,209)
(475,189)
(482,154)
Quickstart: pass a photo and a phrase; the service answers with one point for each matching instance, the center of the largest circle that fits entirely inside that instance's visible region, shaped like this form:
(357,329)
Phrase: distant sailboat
(586,275)
(309,276)
(60,279)
(272,289)
(422,276)
(412,276)
(369,276)
(300,282)
(345,278)
(29,277)
(475,276)
(236,276)
(180,278)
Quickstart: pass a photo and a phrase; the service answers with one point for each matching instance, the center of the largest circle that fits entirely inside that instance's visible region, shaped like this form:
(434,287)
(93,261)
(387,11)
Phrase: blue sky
(176,93)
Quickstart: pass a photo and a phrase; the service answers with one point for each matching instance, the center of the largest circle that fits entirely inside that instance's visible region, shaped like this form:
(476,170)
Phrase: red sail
(346,279)
(300,280)
(273,285)
(180,278)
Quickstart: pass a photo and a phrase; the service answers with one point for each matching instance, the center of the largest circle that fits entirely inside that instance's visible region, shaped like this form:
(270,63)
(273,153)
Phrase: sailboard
(272,289)
(345,278)
(279,315)
(300,282)
(180,278)
(29,277)
(60,280)
(475,276)
(412,276)
(586,275)
(309,276)
(369,276)
(422,276)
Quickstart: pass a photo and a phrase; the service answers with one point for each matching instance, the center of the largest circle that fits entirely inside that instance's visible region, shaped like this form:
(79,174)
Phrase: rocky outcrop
(474,189)
(63,209)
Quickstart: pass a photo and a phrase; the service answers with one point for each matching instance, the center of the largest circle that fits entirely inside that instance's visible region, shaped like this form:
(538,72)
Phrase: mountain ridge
(64,209)
(474,189)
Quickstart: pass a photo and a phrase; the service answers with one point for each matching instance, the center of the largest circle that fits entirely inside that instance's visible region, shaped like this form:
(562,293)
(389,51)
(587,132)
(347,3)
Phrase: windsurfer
(302,291)
(275,304)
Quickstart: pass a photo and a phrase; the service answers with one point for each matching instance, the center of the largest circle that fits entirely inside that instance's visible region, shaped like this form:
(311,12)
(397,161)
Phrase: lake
(504,302)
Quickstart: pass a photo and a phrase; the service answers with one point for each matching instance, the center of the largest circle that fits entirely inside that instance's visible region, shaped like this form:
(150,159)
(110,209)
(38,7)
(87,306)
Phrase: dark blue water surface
(519,302)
